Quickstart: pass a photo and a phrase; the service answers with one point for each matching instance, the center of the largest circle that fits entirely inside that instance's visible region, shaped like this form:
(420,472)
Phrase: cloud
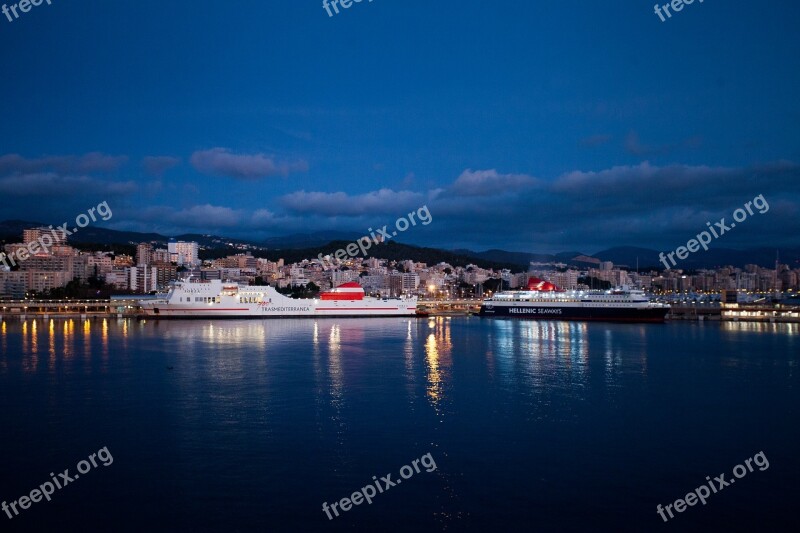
(643,204)
(53,184)
(342,204)
(208,215)
(90,163)
(54,188)
(263,217)
(158,165)
(222,220)
(67,176)
(651,186)
(490,183)
(222,162)
(202,216)
(95,162)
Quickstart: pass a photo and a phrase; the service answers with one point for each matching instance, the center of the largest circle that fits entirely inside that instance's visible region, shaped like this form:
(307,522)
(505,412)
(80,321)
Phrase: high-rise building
(164,274)
(99,264)
(80,268)
(566,280)
(34,234)
(142,278)
(374,283)
(189,253)
(62,249)
(118,277)
(184,253)
(50,263)
(144,254)
(339,277)
(123,260)
(246,261)
(160,255)
(13,284)
(44,281)
(403,282)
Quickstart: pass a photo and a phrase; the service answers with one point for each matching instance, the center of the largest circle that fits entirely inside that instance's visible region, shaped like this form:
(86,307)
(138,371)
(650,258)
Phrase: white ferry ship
(218,299)
(544,301)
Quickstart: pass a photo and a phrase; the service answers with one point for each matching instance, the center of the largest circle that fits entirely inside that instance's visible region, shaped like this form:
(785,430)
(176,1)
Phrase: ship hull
(612,314)
(166,312)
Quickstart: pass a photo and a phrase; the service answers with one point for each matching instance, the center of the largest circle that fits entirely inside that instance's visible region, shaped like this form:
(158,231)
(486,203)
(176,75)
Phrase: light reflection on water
(51,359)
(408,359)
(438,358)
(105,338)
(339,400)
(761,327)
(87,341)
(4,344)
(542,362)
(536,353)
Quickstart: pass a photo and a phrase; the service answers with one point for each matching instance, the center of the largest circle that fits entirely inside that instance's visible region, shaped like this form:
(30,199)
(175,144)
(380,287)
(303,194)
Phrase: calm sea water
(533,426)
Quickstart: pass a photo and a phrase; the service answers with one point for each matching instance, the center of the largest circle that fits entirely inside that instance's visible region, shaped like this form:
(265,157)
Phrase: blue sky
(530,126)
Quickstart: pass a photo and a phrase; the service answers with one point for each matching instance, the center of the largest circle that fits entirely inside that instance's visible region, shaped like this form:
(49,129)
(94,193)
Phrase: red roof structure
(536,284)
(346,291)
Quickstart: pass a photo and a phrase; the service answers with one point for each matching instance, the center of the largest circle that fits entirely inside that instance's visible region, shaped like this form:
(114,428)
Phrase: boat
(544,301)
(217,299)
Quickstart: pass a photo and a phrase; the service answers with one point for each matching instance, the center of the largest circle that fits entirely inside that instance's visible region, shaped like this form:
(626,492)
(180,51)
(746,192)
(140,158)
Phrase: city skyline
(702,255)
(57,269)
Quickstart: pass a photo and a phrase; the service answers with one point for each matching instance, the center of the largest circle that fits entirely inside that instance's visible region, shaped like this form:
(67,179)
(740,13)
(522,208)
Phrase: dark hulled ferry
(544,301)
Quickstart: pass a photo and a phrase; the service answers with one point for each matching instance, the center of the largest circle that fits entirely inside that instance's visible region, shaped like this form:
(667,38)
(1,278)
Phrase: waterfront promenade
(127,307)
(118,308)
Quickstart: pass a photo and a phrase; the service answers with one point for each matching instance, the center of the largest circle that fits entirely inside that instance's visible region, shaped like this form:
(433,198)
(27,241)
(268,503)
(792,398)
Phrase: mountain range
(295,246)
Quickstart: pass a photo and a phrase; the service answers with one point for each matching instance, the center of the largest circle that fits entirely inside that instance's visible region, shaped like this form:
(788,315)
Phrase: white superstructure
(217,299)
(543,300)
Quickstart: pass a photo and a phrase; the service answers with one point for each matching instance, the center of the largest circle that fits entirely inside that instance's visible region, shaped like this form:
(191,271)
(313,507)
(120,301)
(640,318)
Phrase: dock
(122,307)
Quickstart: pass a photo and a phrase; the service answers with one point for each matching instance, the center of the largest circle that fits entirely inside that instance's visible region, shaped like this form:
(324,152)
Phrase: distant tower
(144,254)
(34,234)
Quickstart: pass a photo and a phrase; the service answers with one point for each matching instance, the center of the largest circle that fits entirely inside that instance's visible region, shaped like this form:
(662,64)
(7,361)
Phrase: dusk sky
(527,126)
